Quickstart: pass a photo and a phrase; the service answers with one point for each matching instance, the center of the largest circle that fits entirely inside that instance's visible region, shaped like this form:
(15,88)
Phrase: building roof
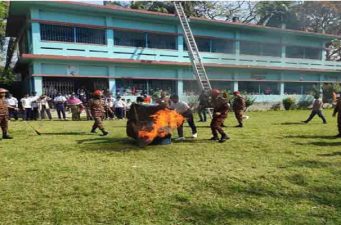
(18,10)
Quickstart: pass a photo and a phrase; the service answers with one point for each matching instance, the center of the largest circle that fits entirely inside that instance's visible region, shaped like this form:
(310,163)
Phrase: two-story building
(64,46)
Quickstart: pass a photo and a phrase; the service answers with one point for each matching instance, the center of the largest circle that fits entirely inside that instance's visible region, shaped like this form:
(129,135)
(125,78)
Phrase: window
(300,88)
(222,46)
(161,41)
(303,52)
(313,53)
(93,36)
(250,48)
(72,34)
(259,88)
(56,33)
(203,44)
(127,38)
(222,85)
(271,50)
(294,52)
(137,87)
(293,88)
(256,48)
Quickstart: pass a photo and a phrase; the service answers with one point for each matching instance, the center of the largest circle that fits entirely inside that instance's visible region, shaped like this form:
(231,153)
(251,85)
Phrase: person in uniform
(183,109)
(4,114)
(220,110)
(203,105)
(317,109)
(337,110)
(97,107)
(239,107)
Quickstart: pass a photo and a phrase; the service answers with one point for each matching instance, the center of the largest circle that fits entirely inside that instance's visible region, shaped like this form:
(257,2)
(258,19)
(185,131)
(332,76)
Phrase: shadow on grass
(311,136)
(330,154)
(66,133)
(290,123)
(311,164)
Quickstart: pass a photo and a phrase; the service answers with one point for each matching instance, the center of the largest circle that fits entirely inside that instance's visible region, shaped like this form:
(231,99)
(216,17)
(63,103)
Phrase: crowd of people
(33,107)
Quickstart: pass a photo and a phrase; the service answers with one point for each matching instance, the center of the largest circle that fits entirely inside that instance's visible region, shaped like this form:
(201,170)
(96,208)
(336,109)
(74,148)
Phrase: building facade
(65,46)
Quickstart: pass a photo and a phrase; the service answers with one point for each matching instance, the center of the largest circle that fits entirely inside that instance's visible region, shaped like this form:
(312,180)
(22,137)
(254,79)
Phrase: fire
(164,121)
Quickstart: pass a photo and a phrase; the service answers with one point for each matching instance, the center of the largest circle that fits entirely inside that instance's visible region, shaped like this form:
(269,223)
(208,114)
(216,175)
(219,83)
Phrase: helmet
(97,93)
(215,92)
(236,93)
(2,90)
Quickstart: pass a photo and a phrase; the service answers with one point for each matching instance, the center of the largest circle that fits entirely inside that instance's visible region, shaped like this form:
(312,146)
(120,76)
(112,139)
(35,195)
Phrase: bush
(249,101)
(289,103)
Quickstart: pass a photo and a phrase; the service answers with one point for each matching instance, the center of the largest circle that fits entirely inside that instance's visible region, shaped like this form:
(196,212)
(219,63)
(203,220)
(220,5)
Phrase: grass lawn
(273,171)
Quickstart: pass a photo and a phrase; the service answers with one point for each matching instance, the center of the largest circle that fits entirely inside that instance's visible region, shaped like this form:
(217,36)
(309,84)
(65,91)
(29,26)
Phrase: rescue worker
(97,107)
(203,105)
(183,109)
(239,107)
(317,109)
(220,110)
(337,110)
(4,114)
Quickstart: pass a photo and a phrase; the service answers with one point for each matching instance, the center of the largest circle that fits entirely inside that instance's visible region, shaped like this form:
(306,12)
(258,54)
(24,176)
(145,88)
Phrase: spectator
(119,108)
(76,106)
(59,102)
(34,106)
(13,109)
(26,107)
(44,107)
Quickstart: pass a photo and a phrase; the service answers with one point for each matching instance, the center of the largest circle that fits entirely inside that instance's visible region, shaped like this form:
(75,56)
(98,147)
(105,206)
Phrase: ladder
(193,52)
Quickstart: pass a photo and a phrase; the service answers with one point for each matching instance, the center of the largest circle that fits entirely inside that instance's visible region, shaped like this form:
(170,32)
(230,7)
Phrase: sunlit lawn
(273,171)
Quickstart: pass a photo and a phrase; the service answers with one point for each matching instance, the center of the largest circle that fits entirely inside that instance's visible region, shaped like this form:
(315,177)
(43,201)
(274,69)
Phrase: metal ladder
(193,52)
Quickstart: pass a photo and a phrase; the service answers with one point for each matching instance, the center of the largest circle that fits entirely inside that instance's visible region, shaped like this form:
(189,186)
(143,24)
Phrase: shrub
(289,103)
(249,101)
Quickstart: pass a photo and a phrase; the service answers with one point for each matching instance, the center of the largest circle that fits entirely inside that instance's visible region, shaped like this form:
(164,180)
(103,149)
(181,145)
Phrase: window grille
(56,33)
(50,32)
(91,36)
(127,38)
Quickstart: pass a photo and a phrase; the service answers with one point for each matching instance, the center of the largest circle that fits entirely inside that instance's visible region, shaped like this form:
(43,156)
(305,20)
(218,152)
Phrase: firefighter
(4,116)
(98,108)
(239,107)
(220,110)
(337,110)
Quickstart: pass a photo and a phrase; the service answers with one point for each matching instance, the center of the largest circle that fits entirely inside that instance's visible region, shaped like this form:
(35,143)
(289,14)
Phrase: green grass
(273,171)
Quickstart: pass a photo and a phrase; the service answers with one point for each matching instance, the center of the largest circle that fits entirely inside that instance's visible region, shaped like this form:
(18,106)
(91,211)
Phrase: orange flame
(164,121)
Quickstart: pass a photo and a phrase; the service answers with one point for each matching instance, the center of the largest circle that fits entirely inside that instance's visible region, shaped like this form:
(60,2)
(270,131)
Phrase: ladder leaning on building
(193,52)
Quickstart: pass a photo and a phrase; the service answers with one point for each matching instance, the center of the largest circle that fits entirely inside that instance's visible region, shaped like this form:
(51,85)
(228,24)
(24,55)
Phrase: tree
(275,14)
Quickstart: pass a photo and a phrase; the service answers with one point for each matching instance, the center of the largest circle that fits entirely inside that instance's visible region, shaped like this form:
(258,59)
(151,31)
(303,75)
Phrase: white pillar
(180,88)
(235,85)
(112,86)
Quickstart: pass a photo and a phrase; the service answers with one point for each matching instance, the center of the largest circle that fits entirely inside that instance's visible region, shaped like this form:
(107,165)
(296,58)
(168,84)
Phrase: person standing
(4,114)
(76,106)
(97,108)
(13,106)
(203,105)
(59,102)
(337,110)
(34,106)
(183,109)
(220,110)
(317,109)
(239,107)
(26,107)
(119,108)
(44,107)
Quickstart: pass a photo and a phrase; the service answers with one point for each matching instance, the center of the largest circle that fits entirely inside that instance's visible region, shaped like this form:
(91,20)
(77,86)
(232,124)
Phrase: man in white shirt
(13,109)
(59,102)
(119,107)
(183,109)
(34,106)
(26,107)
